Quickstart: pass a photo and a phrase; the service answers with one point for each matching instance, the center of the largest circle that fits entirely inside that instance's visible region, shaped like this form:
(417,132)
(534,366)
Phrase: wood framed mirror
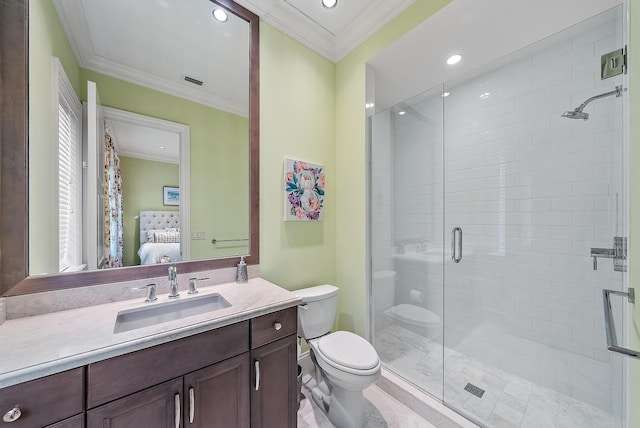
(14,166)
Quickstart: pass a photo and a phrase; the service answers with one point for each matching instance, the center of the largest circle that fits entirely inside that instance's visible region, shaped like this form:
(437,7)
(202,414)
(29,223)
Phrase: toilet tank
(317,311)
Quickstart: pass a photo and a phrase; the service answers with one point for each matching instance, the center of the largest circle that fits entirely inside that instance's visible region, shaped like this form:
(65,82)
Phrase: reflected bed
(159,237)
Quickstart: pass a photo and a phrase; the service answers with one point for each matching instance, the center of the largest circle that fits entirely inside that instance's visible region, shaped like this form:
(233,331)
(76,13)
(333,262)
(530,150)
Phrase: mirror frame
(14,165)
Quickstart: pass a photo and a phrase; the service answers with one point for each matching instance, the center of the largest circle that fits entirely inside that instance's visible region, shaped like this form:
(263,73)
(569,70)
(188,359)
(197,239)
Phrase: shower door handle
(610,328)
(456,244)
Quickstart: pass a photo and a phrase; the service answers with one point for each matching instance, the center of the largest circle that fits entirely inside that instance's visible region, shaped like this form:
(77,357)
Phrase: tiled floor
(509,401)
(382,411)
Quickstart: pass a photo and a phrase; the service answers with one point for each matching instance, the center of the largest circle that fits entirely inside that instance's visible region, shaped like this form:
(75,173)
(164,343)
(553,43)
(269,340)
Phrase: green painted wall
(142,182)
(46,40)
(219,152)
(634,207)
(297,120)
(351,168)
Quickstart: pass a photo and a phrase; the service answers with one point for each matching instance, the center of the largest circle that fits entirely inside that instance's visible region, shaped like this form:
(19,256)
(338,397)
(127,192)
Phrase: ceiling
(144,142)
(416,62)
(331,33)
(156,43)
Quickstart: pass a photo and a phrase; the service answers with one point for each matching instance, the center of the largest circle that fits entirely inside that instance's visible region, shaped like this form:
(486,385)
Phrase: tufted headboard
(151,220)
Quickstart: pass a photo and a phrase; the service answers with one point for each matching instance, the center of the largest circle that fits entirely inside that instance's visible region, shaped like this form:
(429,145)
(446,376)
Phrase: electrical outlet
(197,235)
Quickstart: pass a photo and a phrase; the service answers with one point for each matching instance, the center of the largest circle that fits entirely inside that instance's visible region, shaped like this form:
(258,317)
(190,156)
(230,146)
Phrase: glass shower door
(406,239)
(528,194)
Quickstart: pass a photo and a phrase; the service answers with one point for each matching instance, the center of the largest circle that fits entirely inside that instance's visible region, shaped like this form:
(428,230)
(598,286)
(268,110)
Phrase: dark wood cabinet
(274,386)
(218,396)
(159,406)
(274,361)
(44,401)
(116,377)
(238,376)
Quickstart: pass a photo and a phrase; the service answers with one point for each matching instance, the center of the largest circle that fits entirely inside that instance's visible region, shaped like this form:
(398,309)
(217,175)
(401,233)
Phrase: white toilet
(345,362)
(415,318)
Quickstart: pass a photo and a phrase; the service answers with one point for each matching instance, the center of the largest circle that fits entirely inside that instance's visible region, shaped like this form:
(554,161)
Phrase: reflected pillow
(163,236)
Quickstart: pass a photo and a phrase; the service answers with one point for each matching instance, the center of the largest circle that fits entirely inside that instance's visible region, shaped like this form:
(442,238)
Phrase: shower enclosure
(485,206)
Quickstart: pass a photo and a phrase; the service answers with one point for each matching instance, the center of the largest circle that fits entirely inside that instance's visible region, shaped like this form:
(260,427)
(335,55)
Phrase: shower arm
(617,92)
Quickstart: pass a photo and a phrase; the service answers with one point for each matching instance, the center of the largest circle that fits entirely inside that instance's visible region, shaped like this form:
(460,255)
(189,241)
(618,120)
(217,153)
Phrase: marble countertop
(41,345)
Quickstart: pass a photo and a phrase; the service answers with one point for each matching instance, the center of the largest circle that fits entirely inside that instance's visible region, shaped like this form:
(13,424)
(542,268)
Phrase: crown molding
(178,89)
(367,24)
(296,25)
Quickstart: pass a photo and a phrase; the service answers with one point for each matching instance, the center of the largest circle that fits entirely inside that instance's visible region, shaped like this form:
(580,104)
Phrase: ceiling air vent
(194,81)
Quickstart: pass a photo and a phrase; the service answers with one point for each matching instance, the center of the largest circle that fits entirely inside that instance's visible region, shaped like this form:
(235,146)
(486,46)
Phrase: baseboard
(304,360)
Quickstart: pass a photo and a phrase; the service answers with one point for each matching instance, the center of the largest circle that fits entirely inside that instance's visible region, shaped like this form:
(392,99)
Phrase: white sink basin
(156,313)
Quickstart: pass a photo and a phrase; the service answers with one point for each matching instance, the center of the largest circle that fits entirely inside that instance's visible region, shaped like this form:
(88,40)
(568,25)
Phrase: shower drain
(477,391)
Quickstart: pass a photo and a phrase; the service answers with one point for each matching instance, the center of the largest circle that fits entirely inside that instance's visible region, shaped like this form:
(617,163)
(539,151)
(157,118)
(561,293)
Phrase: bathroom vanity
(233,367)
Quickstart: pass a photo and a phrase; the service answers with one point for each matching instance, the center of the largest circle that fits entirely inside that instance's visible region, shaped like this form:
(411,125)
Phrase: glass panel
(406,239)
(533,192)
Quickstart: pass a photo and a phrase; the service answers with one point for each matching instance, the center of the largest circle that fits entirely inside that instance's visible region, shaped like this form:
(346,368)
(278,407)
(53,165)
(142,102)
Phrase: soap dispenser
(241,273)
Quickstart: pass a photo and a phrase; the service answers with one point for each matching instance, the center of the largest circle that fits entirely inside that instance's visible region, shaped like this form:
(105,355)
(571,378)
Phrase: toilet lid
(349,350)
(414,314)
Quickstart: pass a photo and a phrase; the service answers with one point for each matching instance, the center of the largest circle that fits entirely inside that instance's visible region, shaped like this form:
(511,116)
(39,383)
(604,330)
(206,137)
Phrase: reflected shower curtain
(113,220)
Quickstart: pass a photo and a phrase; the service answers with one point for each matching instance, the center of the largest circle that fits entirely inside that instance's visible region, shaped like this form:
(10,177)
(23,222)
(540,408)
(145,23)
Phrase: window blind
(68,189)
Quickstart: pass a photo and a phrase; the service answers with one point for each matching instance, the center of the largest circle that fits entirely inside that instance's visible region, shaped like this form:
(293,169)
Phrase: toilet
(413,317)
(345,363)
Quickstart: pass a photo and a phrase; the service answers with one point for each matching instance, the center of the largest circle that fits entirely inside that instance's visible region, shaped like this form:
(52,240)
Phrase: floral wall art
(303,191)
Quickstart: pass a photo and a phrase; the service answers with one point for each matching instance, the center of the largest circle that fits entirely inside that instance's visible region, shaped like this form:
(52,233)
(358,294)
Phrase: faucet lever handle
(193,285)
(151,292)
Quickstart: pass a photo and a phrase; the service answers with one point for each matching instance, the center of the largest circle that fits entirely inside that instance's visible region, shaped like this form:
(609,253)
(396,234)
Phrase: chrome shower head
(579,114)
(576,114)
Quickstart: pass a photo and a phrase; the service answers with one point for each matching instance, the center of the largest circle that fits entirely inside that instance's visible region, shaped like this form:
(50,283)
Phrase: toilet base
(344,408)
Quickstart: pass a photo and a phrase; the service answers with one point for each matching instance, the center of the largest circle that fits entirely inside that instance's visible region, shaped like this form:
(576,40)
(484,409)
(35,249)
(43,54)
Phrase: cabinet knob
(12,415)
(277,326)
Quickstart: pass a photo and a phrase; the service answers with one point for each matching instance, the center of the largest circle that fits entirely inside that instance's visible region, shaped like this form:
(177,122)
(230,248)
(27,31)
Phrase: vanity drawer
(44,401)
(270,327)
(129,373)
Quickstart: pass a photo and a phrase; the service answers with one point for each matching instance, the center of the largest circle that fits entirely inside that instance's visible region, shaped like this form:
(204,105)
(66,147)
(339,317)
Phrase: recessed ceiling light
(161,147)
(402,112)
(454,59)
(446,94)
(329,4)
(220,15)
(485,95)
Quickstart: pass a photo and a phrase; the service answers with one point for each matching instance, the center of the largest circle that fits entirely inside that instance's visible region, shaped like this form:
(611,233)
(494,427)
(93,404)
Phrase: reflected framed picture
(170,195)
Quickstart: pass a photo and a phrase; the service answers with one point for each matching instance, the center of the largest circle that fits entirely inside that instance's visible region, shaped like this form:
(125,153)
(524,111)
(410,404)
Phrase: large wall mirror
(129,140)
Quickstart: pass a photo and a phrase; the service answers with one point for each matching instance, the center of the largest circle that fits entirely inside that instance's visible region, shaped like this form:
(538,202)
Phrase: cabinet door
(218,396)
(274,387)
(158,407)
(75,422)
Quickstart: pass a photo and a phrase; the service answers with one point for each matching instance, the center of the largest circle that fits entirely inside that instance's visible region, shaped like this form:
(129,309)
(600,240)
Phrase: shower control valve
(618,253)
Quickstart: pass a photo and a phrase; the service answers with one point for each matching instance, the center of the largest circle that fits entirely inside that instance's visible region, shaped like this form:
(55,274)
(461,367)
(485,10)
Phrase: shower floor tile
(509,401)
(381,410)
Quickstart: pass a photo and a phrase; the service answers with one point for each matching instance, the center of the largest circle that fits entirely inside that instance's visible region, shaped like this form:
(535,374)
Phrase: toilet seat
(413,314)
(347,352)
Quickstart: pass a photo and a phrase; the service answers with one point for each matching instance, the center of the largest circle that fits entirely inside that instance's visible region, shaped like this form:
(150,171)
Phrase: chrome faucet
(173,281)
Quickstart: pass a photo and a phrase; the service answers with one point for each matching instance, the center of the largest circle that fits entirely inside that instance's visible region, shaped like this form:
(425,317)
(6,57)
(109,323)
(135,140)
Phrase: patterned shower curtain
(113,240)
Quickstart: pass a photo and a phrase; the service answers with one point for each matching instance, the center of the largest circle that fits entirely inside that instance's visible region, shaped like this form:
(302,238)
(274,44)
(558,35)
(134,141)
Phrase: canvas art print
(303,191)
